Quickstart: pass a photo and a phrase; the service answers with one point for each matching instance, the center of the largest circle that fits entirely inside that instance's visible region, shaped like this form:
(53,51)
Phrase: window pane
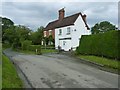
(60,31)
(68,30)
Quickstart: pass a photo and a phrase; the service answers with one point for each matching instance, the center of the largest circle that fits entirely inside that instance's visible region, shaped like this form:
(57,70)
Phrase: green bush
(34,47)
(103,44)
(6,45)
(26,44)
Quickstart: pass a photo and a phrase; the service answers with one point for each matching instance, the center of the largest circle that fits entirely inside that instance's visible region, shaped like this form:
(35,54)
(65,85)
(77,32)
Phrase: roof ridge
(67,17)
(72,15)
(64,22)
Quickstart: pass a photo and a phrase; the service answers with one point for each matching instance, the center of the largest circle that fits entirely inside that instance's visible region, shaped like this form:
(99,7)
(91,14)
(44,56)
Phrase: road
(61,71)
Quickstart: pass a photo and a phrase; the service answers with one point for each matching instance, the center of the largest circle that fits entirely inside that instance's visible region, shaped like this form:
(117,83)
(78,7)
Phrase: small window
(50,32)
(45,33)
(60,31)
(68,30)
(64,42)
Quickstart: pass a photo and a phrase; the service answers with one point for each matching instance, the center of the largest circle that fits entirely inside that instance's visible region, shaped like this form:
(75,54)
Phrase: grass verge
(0,76)
(10,78)
(101,60)
(24,51)
(43,51)
(48,50)
(0,65)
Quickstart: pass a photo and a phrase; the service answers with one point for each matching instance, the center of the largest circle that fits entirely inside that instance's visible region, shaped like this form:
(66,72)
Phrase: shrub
(34,47)
(103,44)
(6,45)
(26,44)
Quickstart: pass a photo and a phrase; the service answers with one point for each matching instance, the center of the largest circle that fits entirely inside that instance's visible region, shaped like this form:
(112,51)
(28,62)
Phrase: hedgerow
(102,44)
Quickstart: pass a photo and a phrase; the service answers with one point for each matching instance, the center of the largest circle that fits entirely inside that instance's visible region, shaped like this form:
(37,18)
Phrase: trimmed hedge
(103,44)
(34,47)
(26,44)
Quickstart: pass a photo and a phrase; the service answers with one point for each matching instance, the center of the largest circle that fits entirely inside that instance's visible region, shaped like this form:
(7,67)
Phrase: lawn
(48,50)
(0,66)
(24,51)
(0,77)
(101,60)
(10,78)
(43,51)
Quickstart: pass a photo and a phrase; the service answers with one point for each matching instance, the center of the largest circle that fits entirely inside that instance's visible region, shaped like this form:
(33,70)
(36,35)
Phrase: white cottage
(68,30)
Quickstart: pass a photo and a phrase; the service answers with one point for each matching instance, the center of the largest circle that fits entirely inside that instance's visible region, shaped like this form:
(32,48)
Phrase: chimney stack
(61,13)
(84,17)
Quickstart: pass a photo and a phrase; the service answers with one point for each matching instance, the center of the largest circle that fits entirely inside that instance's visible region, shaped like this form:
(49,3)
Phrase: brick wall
(47,33)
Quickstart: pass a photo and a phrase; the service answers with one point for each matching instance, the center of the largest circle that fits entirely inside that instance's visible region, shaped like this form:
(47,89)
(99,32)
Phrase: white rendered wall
(77,30)
(63,35)
(80,30)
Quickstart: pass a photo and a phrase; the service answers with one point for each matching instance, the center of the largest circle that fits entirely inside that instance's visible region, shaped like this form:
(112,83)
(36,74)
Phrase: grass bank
(0,75)
(110,63)
(43,51)
(48,50)
(24,51)
(10,78)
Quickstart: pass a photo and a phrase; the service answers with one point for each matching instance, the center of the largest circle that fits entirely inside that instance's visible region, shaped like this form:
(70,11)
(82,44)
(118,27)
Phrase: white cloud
(61,1)
(35,14)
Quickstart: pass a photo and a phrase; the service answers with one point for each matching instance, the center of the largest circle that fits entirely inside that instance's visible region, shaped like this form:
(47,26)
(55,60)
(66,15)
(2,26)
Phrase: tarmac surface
(60,71)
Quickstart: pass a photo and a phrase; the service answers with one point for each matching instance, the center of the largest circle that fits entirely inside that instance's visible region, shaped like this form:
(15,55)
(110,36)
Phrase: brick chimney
(84,17)
(61,14)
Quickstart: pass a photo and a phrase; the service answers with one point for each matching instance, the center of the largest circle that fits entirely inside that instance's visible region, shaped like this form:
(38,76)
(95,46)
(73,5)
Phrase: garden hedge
(34,47)
(102,44)
(26,45)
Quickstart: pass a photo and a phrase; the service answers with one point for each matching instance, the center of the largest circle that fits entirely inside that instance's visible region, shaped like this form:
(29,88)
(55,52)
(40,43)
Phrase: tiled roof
(67,21)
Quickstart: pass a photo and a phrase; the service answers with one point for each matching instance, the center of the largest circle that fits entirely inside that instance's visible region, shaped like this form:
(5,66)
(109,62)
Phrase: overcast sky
(36,14)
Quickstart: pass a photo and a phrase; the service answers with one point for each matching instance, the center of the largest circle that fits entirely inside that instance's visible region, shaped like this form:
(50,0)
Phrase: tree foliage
(37,36)
(15,35)
(102,27)
(6,25)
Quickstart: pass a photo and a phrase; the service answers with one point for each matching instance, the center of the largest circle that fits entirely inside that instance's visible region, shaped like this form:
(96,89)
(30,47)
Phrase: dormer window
(68,30)
(60,31)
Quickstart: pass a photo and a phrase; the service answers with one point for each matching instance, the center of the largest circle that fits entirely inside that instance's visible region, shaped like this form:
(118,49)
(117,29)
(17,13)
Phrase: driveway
(61,71)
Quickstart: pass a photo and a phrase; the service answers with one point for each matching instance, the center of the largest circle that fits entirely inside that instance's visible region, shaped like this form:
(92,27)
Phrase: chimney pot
(84,17)
(61,13)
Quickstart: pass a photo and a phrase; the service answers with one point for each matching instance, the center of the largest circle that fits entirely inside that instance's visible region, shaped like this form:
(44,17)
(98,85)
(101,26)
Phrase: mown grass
(0,77)
(10,78)
(43,51)
(0,65)
(48,50)
(24,51)
(101,60)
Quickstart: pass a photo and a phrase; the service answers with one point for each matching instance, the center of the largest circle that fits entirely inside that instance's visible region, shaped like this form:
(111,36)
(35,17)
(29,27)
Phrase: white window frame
(60,31)
(64,43)
(45,33)
(50,32)
(68,30)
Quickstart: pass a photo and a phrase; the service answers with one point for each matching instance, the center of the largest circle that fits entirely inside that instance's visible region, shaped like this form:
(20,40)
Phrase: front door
(65,45)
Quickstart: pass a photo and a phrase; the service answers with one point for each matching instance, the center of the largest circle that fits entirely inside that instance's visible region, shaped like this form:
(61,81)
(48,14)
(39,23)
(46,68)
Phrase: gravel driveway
(61,71)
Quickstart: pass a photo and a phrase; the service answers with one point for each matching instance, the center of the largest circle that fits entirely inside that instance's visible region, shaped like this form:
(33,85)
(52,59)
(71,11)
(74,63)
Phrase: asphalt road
(61,71)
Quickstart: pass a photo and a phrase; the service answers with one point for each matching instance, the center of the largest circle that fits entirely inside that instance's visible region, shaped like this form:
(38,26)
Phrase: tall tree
(37,36)
(22,33)
(6,24)
(102,27)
